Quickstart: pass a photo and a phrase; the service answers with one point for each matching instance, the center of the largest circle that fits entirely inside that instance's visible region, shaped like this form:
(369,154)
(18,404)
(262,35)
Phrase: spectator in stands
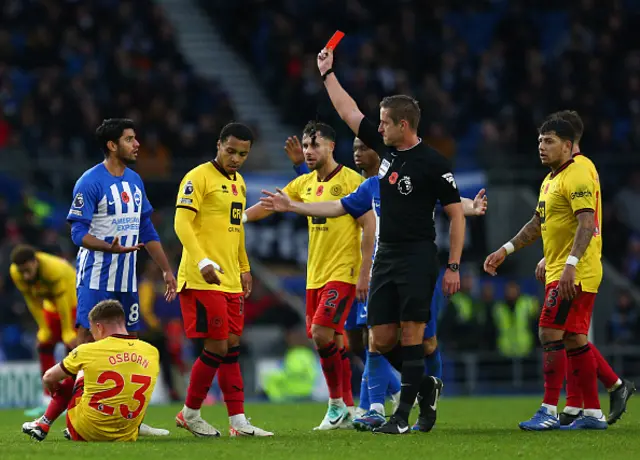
(624,324)
(487,303)
(296,378)
(80,62)
(464,319)
(516,320)
(632,259)
(627,201)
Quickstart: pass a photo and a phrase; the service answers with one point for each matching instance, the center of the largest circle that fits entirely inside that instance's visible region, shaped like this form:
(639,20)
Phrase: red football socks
(202,374)
(583,366)
(47,359)
(60,400)
(231,384)
(331,363)
(606,374)
(347,393)
(555,362)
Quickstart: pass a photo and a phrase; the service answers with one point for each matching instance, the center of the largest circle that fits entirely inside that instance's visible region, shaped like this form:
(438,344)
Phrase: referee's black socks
(412,372)
(395,357)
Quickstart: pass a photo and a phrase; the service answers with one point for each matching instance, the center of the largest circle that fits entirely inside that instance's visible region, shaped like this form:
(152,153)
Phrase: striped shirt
(112,207)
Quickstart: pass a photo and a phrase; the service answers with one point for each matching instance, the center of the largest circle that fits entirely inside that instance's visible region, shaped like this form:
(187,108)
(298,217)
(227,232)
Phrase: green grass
(468,428)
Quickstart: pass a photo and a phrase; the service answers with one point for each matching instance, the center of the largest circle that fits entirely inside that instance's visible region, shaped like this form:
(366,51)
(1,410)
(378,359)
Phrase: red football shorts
(53,323)
(211,314)
(329,305)
(567,315)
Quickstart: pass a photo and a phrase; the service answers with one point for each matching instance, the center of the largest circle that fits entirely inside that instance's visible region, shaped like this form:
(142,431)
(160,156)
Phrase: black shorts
(404,277)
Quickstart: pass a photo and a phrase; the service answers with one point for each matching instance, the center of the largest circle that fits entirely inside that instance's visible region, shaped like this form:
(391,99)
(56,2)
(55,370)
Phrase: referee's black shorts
(404,277)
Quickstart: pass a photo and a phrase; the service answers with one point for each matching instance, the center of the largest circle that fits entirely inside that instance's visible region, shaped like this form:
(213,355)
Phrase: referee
(413,176)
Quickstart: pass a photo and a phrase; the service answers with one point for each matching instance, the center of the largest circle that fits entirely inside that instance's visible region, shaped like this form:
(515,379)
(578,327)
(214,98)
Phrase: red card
(331,44)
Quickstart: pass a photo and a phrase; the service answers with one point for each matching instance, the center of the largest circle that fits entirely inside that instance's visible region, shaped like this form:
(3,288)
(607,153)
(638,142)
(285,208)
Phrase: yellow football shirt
(120,374)
(334,243)
(563,195)
(54,290)
(218,201)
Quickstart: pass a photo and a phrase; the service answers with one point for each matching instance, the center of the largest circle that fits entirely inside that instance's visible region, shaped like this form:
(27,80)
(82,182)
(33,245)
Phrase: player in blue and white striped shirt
(111,220)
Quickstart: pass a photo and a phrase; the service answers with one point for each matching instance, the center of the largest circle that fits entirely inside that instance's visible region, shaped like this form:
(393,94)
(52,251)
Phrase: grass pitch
(467,429)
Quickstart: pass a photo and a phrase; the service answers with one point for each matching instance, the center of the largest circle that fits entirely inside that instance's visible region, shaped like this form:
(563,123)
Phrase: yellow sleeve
(183,226)
(580,190)
(187,206)
(292,190)
(33,304)
(191,191)
(147,296)
(243,258)
(76,359)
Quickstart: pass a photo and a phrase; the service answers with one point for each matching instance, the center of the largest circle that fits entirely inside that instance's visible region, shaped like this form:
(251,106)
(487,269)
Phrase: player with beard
(338,267)
(620,390)
(378,377)
(110,221)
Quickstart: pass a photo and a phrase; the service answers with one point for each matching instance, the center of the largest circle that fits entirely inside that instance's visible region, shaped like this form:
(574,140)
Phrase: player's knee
(383,341)
(412,333)
(322,336)
(430,345)
(218,347)
(573,341)
(233,341)
(356,342)
(547,335)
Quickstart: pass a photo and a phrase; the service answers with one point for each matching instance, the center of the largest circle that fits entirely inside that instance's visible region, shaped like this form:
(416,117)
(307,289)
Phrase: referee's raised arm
(343,103)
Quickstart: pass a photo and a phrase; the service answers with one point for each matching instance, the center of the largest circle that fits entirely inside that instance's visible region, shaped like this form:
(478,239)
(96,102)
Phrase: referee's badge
(384,167)
(405,186)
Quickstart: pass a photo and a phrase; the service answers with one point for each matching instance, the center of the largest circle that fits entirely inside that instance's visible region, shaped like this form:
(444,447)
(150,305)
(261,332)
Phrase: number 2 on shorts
(332,296)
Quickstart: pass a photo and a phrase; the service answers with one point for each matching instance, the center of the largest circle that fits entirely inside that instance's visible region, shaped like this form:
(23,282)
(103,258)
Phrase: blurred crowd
(484,71)
(82,61)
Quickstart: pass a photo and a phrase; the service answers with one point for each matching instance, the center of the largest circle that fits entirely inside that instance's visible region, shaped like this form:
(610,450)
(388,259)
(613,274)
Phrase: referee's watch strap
(327,73)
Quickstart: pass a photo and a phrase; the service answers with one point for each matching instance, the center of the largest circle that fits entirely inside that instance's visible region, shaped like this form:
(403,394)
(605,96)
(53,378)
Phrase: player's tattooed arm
(584,233)
(528,234)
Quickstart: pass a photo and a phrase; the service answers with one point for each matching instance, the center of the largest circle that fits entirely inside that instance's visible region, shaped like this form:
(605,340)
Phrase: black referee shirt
(411,182)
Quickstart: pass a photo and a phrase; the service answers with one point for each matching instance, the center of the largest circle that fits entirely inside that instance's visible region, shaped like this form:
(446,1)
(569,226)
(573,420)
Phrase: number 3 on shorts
(134,314)
(552,298)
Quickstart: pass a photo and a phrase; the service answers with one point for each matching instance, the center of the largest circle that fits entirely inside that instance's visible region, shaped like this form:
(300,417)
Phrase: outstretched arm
(256,212)
(280,202)
(342,102)
(475,207)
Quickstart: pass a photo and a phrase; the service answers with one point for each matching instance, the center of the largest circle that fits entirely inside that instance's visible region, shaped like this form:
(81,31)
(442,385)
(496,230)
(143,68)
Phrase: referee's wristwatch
(453,267)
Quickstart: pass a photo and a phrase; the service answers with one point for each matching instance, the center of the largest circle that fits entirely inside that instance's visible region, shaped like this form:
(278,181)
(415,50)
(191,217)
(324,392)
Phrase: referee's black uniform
(406,267)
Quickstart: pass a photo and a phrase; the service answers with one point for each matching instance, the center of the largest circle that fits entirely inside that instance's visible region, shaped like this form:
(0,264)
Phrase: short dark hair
(111,129)
(318,128)
(561,127)
(22,254)
(237,130)
(402,107)
(572,117)
(107,311)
